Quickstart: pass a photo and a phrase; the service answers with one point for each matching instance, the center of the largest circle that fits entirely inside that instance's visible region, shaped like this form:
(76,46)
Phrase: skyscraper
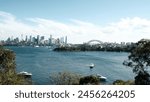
(21,37)
(65,40)
(50,40)
(26,38)
(38,39)
(30,40)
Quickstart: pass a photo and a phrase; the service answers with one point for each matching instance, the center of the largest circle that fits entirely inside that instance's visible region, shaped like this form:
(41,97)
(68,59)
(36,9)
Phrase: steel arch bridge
(100,42)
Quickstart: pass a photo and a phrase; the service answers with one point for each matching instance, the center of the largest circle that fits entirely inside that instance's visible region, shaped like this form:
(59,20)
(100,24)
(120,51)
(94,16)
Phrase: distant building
(42,40)
(62,40)
(38,39)
(16,40)
(57,41)
(26,40)
(34,40)
(1,43)
(50,40)
(30,39)
(53,41)
(21,37)
(65,40)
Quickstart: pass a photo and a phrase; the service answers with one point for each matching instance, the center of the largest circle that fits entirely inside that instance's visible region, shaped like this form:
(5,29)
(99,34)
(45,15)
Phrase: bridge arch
(100,42)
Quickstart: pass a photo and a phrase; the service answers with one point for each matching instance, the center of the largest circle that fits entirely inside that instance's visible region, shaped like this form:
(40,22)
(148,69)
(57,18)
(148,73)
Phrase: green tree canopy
(8,75)
(139,60)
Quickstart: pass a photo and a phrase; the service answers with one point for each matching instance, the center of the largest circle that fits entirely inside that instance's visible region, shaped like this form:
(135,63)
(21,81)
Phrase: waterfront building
(21,37)
(53,41)
(65,40)
(1,43)
(41,40)
(16,40)
(62,40)
(57,41)
(51,37)
(30,39)
(38,39)
(50,40)
(34,40)
(26,39)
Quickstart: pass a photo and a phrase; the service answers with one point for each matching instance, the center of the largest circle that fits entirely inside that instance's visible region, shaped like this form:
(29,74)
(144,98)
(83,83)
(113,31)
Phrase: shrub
(121,82)
(8,75)
(64,78)
(89,80)
(142,79)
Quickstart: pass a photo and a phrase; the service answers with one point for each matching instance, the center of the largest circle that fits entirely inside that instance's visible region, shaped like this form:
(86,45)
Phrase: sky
(79,20)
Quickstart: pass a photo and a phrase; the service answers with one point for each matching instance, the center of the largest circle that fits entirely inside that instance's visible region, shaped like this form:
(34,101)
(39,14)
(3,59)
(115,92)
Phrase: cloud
(129,29)
(126,29)
(10,26)
(6,16)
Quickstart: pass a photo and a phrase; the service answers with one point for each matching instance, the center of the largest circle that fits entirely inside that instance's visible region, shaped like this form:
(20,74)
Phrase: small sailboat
(91,65)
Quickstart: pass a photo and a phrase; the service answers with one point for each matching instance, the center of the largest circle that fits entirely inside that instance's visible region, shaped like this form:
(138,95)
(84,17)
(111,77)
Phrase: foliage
(8,74)
(64,78)
(96,47)
(142,79)
(10,78)
(139,60)
(89,80)
(7,60)
(121,82)
(69,78)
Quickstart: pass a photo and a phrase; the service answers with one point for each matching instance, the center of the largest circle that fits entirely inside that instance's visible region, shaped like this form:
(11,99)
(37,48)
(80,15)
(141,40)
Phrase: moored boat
(102,78)
(91,65)
(26,74)
(36,46)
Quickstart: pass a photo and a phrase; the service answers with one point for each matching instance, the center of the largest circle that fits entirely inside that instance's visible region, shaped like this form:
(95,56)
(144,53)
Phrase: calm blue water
(41,62)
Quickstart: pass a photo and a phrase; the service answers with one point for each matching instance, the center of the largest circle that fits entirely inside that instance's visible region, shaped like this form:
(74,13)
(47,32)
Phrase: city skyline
(35,41)
(79,20)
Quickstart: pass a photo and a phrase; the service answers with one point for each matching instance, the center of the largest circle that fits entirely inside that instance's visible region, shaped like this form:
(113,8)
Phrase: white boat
(36,46)
(25,74)
(91,65)
(102,78)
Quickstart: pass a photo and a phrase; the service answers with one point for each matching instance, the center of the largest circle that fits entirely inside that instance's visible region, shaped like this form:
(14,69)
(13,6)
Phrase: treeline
(85,47)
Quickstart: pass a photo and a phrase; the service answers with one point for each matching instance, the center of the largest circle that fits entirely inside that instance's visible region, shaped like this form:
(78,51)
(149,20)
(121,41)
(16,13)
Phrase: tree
(139,60)
(7,60)
(8,75)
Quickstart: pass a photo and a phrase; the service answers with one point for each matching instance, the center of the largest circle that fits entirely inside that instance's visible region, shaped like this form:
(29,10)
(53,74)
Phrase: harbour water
(41,62)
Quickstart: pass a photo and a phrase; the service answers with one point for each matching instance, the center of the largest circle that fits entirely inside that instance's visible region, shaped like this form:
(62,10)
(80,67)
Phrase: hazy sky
(80,20)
